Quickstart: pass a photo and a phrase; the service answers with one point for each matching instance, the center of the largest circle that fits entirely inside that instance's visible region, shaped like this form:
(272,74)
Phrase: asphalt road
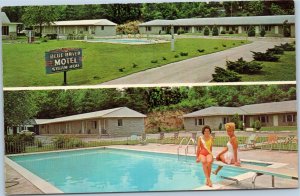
(197,69)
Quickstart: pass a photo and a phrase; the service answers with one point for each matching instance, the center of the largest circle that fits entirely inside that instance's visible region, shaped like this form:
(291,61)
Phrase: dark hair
(206,127)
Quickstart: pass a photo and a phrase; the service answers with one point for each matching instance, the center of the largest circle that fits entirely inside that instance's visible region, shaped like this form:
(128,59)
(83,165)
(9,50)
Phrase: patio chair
(249,143)
(272,139)
(175,137)
(288,141)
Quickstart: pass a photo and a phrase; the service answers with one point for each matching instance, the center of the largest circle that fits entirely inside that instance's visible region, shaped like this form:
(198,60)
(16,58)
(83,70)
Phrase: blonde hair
(230,126)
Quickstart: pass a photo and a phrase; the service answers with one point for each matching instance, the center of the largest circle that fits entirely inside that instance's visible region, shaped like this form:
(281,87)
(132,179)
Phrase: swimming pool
(123,41)
(115,170)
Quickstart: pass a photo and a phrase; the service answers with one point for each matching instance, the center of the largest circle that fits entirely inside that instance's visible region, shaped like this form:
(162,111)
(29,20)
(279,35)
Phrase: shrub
(223,75)
(220,126)
(63,141)
(231,32)
(241,126)
(181,31)
(134,65)
(251,31)
(216,48)
(154,61)
(121,69)
(235,118)
(262,32)
(243,67)
(51,36)
(276,50)
(257,125)
(253,125)
(201,50)
(287,47)
(268,56)
(38,143)
(176,56)
(224,45)
(215,31)
(223,32)
(206,31)
(131,27)
(286,29)
(44,39)
(14,144)
(233,44)
(164,58)
(184,53)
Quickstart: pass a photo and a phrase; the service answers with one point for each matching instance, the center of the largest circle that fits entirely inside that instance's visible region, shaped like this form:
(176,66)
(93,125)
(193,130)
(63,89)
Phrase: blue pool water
(121,41)
(112,170)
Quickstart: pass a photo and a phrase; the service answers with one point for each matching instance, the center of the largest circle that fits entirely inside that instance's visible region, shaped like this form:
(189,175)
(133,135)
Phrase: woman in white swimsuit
(230,154)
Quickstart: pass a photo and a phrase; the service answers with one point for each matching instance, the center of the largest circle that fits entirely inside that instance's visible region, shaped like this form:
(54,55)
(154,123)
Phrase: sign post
(172,39)
(63,60)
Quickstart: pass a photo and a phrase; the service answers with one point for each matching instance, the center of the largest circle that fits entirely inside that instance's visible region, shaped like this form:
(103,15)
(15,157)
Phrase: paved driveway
(198,69)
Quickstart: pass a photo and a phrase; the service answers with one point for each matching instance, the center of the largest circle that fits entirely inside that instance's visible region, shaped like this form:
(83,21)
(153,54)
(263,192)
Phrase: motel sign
(62,60)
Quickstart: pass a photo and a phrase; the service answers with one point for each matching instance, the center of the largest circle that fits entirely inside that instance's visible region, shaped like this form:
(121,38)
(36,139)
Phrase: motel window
(246,28)
(290,118)
(199,29)
(268,28)
(264,119)
(225,120)
(102,28)
(148,28)
(227,28)
(5,30)
(120,122)
(95,124)
(86,28)
(199,121)
(163,28)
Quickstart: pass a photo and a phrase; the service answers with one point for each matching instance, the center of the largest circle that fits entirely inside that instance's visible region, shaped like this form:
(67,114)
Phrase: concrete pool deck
(290,159)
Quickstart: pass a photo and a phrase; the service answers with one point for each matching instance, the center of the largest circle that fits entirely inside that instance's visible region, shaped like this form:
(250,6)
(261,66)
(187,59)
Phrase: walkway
(198,69)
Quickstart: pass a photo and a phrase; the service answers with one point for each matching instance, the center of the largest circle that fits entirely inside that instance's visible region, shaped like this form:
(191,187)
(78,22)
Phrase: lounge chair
(288,141)
(272,139)
(249,143)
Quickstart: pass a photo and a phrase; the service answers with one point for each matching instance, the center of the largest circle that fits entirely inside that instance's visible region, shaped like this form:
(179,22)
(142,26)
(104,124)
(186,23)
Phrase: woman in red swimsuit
(204,153)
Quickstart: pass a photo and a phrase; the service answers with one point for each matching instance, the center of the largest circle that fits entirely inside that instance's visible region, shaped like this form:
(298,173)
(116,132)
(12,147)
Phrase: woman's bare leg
(209,160)
(204,166)
(219,167)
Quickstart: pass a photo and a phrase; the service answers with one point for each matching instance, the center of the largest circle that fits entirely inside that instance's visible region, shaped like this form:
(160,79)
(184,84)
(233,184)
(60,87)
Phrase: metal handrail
(180,146)
(187,146)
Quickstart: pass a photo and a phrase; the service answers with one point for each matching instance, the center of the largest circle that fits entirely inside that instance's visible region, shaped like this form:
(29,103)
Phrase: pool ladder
(186,147)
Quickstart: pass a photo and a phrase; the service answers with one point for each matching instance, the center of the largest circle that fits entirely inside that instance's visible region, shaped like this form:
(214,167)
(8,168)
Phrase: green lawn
(24,64)
(284,69)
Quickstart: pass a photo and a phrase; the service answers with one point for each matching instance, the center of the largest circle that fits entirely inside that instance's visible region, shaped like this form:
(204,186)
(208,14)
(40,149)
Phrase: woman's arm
(234,144)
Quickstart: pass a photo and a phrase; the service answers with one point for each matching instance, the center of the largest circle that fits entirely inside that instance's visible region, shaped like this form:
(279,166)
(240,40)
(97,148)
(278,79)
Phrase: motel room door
(102,126)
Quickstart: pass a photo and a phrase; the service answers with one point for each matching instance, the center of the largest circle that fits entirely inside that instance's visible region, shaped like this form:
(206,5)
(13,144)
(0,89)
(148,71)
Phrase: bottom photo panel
(151,139)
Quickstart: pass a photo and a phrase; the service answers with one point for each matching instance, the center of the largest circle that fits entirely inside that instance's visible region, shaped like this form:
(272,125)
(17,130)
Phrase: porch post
(99,126)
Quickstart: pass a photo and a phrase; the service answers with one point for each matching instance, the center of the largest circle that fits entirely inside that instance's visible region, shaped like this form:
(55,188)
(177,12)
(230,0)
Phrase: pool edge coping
(38,182)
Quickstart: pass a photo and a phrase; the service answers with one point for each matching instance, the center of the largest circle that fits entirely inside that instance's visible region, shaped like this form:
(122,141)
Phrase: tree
(206,31)
(215,31)
(39,16)
(251,31)
(286,29)
(262,32)
(19,106)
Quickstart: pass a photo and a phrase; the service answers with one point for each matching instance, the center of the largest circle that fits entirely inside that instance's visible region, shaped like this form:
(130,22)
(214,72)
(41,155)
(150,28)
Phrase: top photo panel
(148,43)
